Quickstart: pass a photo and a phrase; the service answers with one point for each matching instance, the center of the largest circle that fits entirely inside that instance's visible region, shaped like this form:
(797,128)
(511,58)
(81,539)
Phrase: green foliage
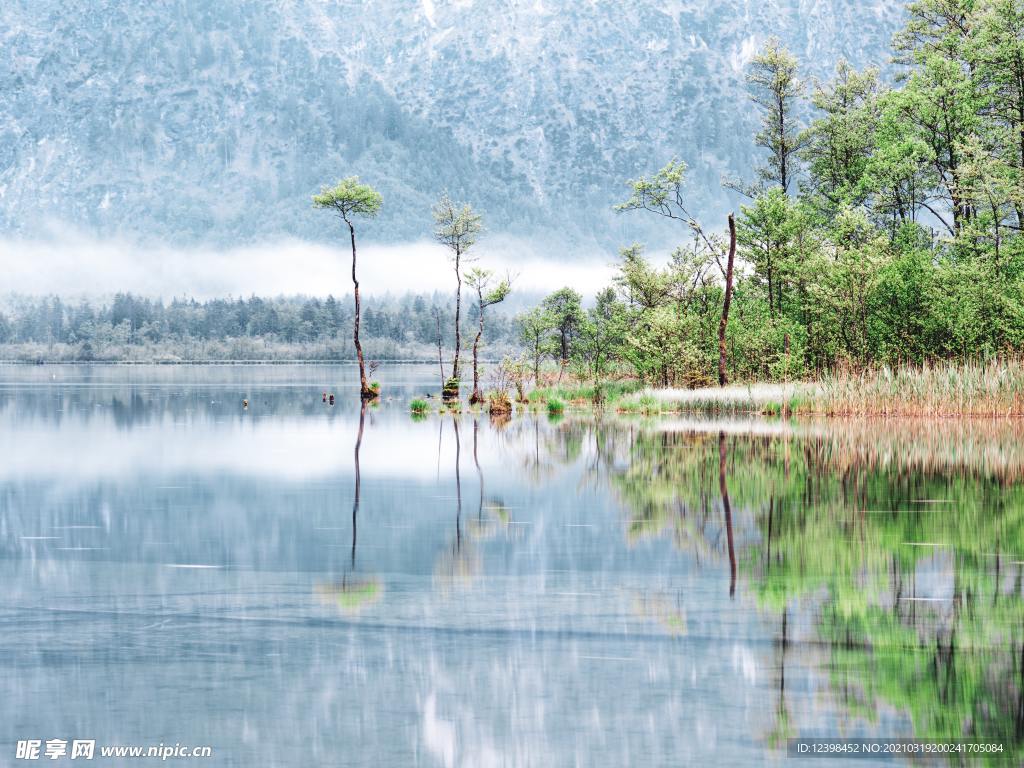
(418,406)
(564,311)
(349,198)
(902,242)
(661,193)
(775,88)
(456,226)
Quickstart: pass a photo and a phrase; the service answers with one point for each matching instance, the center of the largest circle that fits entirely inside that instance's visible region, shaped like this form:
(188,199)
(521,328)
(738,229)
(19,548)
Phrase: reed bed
(993,388)
(990,388)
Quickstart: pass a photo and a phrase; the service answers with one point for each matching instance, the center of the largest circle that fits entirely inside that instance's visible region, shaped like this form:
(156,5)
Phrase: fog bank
(81,266)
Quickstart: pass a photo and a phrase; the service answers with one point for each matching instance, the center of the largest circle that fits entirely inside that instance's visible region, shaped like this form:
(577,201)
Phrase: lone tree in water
(349,199)
(456,228)
(480,281)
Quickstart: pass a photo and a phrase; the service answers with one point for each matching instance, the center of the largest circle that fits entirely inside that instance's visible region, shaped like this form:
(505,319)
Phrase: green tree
(565,309)
(350,200)
(776,87)
(534,327)
(998,56)
(600,337)
(765,234)
(840,142)
(940,99)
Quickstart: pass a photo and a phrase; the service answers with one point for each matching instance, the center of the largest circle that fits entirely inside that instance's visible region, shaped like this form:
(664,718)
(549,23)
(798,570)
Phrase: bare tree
(480,281)
(457,228)
(726,300)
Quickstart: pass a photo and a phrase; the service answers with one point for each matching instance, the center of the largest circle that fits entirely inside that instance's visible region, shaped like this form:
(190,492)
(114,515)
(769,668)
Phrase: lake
(178,569)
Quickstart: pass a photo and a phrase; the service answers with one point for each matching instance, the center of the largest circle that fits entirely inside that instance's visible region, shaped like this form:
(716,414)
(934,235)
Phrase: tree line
(130,327)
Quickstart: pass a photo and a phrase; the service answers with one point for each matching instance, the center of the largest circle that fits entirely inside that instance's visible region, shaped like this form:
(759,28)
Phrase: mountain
(213,121)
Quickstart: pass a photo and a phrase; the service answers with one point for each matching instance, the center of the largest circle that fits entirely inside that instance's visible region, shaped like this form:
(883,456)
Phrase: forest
(882,229)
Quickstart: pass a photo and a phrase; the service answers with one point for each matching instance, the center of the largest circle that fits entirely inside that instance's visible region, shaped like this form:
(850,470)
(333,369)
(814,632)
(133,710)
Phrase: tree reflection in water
(353,591)
(892,538)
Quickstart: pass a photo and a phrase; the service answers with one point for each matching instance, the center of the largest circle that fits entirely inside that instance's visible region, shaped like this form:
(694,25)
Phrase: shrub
(451,389)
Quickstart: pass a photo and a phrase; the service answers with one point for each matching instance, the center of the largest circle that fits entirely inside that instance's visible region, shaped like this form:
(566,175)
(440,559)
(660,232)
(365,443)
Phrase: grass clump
(498,403)
(450,391)
(585,394)
(555,407)
(419,407)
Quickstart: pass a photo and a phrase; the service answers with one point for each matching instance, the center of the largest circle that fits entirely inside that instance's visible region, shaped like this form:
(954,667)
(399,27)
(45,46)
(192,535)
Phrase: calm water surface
(576,593)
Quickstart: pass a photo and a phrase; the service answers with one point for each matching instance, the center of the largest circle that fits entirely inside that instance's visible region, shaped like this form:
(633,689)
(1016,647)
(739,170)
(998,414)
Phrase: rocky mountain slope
(214,120)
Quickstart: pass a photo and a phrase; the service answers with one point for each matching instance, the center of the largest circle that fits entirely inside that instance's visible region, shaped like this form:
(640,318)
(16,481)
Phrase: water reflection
(892,540)
(592,592)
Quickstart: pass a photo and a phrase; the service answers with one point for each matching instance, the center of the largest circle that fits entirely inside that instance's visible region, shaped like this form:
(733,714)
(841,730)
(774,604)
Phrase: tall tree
(776,87)
(766,231)
(600,338)
(350,200)
(480,281)
(840,142)
(940,100)
(457,228)
(999,56)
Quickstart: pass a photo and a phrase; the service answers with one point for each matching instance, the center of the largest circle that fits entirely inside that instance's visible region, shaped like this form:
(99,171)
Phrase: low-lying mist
(79,266)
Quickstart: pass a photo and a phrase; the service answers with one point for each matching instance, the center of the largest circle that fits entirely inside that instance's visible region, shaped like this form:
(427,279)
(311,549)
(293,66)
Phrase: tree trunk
(458,314)
(723,379)
(458,487)
(476,397)
(479,473)
(565,356)
(440,365)
(365,393)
